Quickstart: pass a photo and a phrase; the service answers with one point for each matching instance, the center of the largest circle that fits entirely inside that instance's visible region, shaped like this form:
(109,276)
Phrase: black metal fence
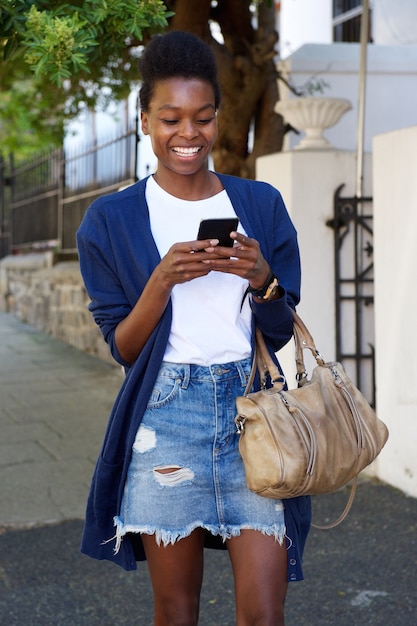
(42,201)
(354,289)
(4,228)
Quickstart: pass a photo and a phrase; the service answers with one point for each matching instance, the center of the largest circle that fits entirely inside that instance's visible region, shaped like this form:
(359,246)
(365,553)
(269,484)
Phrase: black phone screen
(218,228)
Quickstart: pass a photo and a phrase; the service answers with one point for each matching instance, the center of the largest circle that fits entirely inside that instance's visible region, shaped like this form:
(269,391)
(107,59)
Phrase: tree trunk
(248,125)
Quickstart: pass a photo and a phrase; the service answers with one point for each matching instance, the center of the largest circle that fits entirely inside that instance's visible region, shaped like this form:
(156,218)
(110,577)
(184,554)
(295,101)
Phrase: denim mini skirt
(186,471)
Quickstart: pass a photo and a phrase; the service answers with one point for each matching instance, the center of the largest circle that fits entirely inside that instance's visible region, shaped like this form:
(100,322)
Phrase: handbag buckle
(240,424)
(319,358)
(301,376)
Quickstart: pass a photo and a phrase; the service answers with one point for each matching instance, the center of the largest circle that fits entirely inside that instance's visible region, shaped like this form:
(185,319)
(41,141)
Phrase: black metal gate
(354,289)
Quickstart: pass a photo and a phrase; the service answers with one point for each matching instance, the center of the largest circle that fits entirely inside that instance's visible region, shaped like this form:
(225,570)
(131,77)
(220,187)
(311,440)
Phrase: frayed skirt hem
(167,537)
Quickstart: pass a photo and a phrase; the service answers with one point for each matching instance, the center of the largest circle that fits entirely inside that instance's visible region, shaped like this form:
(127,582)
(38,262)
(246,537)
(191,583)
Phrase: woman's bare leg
(176,573)
(259,566)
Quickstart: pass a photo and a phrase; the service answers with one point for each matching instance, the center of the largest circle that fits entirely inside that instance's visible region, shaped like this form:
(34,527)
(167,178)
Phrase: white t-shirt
(207,326)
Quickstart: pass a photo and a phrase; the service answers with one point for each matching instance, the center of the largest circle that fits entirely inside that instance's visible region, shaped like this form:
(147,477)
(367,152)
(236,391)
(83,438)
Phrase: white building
(325,46)
(307,21)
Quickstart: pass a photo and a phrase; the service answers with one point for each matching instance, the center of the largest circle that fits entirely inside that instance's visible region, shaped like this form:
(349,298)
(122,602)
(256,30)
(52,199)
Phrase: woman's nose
(188,129)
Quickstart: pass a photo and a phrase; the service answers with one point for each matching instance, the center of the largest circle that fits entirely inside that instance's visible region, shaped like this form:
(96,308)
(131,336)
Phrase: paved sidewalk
(54,405)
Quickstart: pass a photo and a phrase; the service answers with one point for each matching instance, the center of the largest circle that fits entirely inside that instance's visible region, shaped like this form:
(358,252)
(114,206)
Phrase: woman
(179,314)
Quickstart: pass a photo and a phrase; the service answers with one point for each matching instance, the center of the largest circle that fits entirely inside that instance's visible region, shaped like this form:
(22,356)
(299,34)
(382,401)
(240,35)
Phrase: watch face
(271,290)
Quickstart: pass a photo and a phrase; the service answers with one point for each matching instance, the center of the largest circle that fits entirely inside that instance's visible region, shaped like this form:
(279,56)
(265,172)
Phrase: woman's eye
(201,122)
(206,121)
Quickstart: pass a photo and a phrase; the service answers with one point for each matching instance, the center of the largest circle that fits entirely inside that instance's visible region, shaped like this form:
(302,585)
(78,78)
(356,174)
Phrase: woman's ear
(144,122)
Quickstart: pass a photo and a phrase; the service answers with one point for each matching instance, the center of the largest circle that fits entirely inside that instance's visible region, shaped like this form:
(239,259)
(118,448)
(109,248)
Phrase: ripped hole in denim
(171,476)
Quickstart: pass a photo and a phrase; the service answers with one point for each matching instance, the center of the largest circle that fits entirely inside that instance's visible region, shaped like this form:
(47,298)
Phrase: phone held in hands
(218,228)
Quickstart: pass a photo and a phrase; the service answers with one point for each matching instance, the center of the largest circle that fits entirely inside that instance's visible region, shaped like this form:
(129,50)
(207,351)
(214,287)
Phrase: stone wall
(50,296)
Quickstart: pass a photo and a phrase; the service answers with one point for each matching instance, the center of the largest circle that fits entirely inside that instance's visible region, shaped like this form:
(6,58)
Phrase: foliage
(62,56)
(26,122)
(59,56)
(57,46)
(311,87)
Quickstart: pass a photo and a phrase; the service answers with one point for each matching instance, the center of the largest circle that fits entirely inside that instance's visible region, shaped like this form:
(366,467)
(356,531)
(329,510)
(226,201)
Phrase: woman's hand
(185,261)
(245,259)
(182,262)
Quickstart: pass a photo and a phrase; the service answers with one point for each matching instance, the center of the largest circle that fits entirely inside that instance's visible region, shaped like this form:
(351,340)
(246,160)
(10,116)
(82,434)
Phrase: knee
(178,612)
(259,611)
(263,618)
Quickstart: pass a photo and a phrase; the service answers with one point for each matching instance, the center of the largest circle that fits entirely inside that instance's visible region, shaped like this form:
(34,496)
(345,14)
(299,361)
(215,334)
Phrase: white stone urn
(312,114)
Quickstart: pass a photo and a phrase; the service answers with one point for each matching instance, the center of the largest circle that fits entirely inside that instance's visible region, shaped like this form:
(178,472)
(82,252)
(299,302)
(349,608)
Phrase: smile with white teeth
(186,151)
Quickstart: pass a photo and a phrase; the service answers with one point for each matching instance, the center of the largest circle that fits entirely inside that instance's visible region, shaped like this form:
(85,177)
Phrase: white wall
(308,180)
(395,240)
(304,21)
(391,87)
(394,23)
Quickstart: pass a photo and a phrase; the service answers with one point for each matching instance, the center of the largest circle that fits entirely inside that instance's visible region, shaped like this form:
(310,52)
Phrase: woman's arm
(182,263)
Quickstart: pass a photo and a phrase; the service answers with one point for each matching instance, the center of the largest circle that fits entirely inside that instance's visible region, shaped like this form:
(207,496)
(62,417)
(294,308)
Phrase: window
(347,20)
(344,6)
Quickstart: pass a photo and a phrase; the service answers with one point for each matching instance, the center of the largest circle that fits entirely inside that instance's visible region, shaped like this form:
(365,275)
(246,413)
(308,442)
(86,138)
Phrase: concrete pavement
(54,404)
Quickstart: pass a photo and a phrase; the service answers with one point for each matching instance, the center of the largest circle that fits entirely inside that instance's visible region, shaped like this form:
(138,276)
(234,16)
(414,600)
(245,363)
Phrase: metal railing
(42,201)
(354,289)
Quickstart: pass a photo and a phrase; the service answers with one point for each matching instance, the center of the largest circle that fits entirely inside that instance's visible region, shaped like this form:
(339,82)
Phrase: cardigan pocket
(106,489)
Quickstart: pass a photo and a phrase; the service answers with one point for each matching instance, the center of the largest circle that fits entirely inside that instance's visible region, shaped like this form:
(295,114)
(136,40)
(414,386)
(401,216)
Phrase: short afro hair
(173,54)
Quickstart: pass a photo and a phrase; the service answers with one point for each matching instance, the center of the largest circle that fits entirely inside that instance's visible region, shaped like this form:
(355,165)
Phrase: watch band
(269,288)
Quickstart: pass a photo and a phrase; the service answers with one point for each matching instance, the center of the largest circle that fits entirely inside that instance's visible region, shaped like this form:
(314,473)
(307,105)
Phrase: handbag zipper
(357,418)
(312,448)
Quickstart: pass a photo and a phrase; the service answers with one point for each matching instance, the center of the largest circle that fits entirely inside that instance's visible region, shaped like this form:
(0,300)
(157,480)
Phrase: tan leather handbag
(310,440)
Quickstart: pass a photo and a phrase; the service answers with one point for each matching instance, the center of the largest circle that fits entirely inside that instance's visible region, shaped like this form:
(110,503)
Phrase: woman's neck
(190,187)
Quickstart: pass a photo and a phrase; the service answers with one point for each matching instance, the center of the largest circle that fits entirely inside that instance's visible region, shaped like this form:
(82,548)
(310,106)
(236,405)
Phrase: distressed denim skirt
(186,471)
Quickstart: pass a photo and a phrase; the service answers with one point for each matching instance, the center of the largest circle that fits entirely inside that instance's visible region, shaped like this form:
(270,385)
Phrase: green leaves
(59,56)
(30,120)
(58,41)
(129,18)
(57,46)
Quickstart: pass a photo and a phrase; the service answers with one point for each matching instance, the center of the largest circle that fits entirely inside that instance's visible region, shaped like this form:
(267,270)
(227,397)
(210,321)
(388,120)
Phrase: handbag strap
(263,362)
(303,341)
(252,373)
(345,510)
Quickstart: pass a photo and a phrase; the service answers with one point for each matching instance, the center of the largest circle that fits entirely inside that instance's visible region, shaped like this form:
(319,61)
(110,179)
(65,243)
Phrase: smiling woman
(179,314)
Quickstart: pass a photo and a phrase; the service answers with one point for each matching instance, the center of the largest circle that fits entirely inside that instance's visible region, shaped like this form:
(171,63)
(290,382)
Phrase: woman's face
(182,124)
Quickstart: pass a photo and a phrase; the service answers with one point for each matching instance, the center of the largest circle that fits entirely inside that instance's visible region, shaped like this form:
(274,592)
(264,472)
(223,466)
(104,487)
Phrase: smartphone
(218,228)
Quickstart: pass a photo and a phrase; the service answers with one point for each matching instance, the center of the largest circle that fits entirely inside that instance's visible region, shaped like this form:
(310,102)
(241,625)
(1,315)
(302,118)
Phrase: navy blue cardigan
(117,256)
